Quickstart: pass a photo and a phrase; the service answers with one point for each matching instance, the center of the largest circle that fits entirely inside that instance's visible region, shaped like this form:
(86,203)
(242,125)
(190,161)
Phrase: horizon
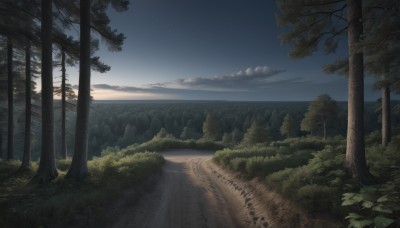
(172,51)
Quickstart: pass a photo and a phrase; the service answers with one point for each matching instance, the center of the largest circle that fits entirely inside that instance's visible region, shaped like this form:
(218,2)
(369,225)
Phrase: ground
(194,192)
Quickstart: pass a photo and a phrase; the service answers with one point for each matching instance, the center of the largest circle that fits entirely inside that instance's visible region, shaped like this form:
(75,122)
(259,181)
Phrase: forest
(67,159)
(120,124)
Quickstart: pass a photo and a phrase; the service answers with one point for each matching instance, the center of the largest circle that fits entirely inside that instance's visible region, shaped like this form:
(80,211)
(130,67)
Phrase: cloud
(248,79)
(119,88)
(240,80)
(253,83)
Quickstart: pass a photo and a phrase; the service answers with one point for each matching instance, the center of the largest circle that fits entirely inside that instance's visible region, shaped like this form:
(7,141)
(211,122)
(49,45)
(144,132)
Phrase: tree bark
(355,152)
(386,118)
(10,90)
(63,120)
(26,158)
(78,169)
(47,166)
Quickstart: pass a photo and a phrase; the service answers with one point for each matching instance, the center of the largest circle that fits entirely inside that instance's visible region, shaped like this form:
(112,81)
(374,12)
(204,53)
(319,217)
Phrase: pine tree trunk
(47,166)
(355,153)
(63,142)
(26,158)
(10,142)
(386,118)
(1,145)
(78,169)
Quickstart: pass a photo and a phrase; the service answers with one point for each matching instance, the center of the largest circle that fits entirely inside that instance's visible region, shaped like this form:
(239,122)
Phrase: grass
(69,202)
(81,203)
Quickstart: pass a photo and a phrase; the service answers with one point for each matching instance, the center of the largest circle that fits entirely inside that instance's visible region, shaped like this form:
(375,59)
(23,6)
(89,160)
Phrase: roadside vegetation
(67,202)
(89,201)
(310,172)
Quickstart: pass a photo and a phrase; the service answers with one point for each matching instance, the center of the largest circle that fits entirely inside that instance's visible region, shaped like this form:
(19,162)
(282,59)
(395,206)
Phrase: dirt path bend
(192,193)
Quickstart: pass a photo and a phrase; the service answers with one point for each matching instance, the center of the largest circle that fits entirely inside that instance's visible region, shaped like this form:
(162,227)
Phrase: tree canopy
(321,114)
(255,134)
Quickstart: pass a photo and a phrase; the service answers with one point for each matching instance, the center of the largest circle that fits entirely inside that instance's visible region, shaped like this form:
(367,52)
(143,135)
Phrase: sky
(210,50)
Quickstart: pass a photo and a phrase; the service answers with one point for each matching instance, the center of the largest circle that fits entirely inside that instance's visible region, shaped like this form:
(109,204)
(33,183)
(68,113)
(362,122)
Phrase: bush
(223,157)
(316,198)
(238,164)
(309,143)
(311,173)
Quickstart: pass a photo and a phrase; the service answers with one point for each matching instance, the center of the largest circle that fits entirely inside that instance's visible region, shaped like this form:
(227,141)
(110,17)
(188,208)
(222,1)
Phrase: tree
(163,134)
(26,157)
(114,41)
(30,34)
(322,21)
(288,127)
(210,128)
(226,139)
(382,54)
(382,51)
(10,89)
(236,136)
(63,106)
(69,53)
(17,24)
(255,134)
(47,166)
(78,167)
(189,133)
(321,113)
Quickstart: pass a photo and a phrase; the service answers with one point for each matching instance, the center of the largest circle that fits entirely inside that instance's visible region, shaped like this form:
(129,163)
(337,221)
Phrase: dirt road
(192,192)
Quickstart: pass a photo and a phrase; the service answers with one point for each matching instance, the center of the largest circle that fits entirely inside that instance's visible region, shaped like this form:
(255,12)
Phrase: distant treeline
(124,123)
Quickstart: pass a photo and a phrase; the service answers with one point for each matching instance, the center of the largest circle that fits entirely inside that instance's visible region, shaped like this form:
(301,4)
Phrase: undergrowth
(68,202)
(311,173)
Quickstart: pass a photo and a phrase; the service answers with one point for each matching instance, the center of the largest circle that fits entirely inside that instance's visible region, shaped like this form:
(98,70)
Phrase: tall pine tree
(323,21)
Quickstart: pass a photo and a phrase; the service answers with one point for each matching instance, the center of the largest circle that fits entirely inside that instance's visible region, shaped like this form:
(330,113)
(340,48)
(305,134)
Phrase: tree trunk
(78,169)
(47,166)
(386,119)
(63,142)
(355,153)
(26,158)
(1,145)
(10,90)
(324,128)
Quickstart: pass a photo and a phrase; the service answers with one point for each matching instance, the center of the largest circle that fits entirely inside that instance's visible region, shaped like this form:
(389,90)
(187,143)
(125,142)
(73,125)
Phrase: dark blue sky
(210,50)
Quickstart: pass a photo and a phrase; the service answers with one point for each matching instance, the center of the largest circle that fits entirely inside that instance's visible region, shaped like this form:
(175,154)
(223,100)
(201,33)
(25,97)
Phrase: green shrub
(376,206)
(63,164)
(276,179)
(223,157)
(238,164)
(312,144)
(374,137)
(316,198)
(256,165)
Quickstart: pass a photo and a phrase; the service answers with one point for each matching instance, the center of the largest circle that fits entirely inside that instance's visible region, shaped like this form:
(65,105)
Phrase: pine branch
(325,3)
(330,13)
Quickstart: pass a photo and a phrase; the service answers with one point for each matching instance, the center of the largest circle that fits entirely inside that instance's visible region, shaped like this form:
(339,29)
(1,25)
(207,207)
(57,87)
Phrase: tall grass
(67,201)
